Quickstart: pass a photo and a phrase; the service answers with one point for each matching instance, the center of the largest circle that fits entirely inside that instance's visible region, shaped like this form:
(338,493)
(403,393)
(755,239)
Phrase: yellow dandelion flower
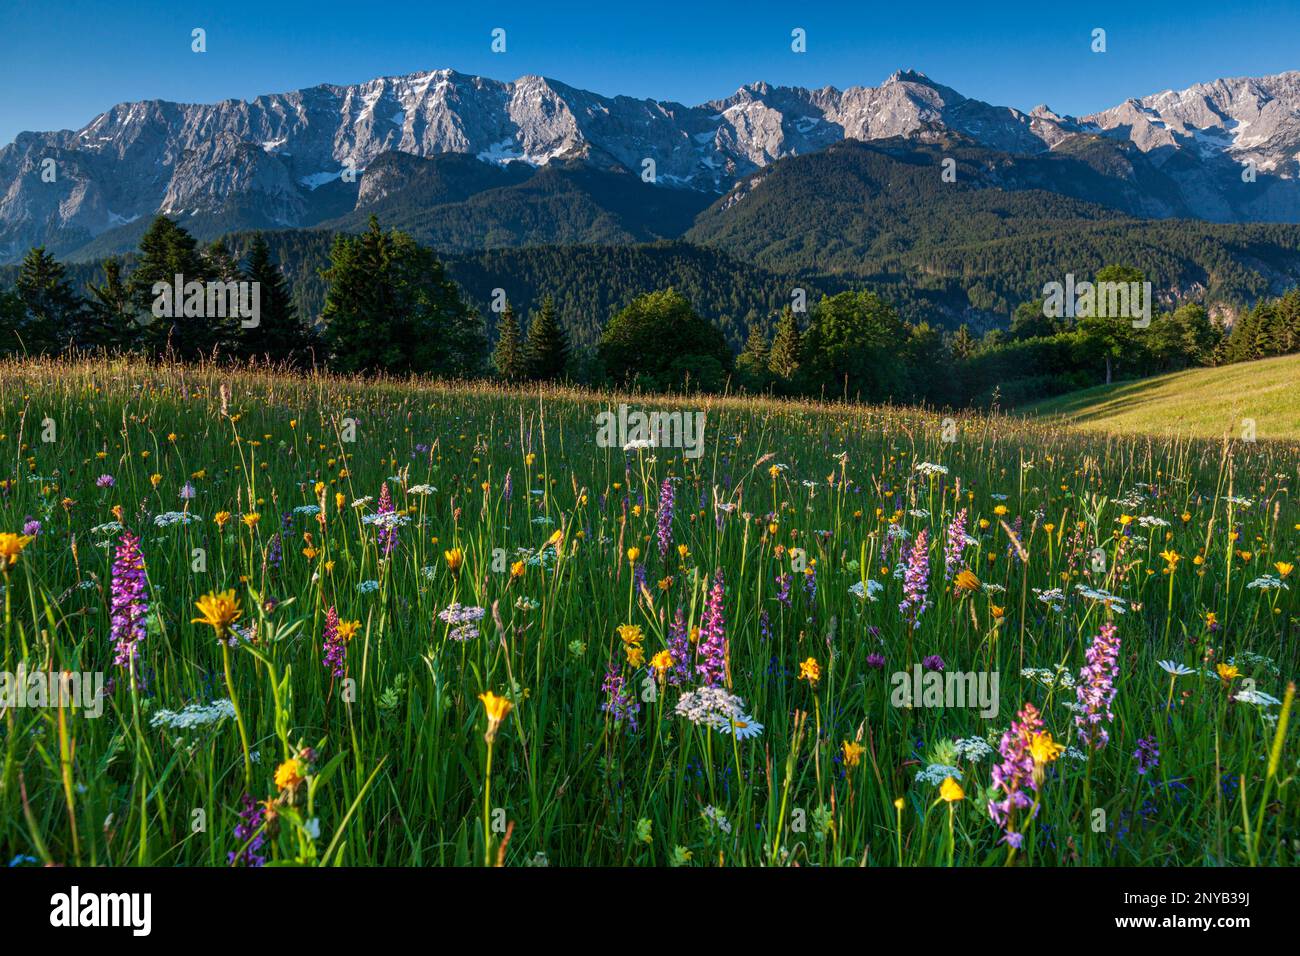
(661,662)
(630,633)
(853,752)
(218,611)
(496,709)
(1044,749)
(289,774)
(11,545)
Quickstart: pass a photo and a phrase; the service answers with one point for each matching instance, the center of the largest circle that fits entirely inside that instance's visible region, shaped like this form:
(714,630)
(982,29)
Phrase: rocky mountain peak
(274,153)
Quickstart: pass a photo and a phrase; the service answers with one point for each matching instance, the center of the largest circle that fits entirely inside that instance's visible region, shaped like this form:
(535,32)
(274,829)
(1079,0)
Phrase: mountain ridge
(266,160)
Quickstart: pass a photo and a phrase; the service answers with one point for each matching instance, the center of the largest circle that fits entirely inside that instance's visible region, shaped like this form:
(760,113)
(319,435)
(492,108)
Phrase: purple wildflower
(463,620)
(457,613)
(876,661)
(274,551)
(1096,688)
(129,605)
(916,579)
(933,663)
(713,636)
(783,589)
(250,821)
(387,535)
(679,646)
(31,528)
(665,517)
(105,481)
(619,699)
(955,544)
(1015,774)
(336,650)
(1147,755)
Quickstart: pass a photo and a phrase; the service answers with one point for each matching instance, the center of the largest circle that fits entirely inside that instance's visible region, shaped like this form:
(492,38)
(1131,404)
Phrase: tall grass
(392,765)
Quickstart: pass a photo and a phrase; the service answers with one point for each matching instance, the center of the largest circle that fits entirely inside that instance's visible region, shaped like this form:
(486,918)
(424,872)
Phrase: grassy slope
(1207,402)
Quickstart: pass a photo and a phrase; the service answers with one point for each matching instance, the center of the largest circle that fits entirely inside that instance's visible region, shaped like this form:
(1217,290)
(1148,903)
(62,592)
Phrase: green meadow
(407,622)
(1202,403)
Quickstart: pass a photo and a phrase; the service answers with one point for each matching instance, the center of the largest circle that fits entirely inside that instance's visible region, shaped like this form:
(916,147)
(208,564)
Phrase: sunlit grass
(1202,403)
(397,763)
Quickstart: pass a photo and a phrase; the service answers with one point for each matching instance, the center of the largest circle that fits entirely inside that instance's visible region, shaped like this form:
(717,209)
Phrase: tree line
(390,306)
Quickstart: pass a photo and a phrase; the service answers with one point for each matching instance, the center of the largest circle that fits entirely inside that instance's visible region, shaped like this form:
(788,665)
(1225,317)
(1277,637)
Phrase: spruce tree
(110,320)
(785,355)
(53,311)
(12,316)
(547,350)
(752,362)
(508,356)
(390,307)
(757,352)
(168,251)
(220,262)
(963,343)
(279,335)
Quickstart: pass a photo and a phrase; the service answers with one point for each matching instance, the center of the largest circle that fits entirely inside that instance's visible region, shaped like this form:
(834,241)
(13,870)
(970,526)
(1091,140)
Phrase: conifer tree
(547,349)
(756,353)
(12,316)
(53,311)
(279,334)
(111,321)
(751,364)
(786,350)
(168,251)
(390,307)
(963,343)
(508,357)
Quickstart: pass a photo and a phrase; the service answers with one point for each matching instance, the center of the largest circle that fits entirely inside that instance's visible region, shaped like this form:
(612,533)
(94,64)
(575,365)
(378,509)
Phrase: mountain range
(470,163)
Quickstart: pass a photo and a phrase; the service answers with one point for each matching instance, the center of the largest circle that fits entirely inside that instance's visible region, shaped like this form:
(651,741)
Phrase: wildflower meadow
(254,619)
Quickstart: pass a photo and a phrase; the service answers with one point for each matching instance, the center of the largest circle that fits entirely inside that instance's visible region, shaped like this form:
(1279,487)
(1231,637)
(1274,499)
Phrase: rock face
(261,162)
(1250,125)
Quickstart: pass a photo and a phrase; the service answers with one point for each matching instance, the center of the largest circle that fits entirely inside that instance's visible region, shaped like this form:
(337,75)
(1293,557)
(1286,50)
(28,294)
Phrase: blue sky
(61,63)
